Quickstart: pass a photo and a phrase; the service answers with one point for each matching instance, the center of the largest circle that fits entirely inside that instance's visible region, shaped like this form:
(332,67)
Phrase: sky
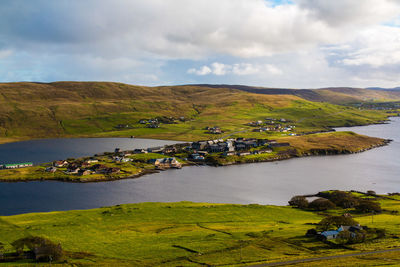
(270,43)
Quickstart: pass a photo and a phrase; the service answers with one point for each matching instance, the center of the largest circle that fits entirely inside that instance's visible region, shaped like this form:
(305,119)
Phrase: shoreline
(285,156)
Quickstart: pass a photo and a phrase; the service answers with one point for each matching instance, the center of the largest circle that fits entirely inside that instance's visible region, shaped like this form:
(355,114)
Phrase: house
(153,125)
(157,149)
(197,157)
(72,170)
(263,151)
(17,165)
(117,150)
(99,168)
(200,145)
(60,163)
(215,148)
(166,163)
(51,169)
(333,234)
(139,151)
(328,235)
(170,149)
(84,172)
(92,161)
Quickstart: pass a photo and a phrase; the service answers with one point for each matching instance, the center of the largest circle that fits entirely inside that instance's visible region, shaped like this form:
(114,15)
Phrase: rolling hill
(72,109)
(333,95)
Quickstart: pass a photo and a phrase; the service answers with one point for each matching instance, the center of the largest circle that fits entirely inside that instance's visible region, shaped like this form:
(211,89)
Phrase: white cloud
(377,47)
(221,69)
(202,71)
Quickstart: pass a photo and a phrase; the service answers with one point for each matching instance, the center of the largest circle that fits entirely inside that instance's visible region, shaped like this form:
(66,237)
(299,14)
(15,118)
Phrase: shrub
(298,201)
(367,206)
(321,204)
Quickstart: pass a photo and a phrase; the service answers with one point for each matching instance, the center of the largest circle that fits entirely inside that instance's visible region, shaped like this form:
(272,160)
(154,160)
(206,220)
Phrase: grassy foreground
(194,234)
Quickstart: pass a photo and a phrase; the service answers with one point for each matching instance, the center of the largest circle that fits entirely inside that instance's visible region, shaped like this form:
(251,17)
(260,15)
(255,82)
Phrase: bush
(367,206)
(346,237)
(299,201)
(333,222)
(311,232)
(321,204)
(42,248)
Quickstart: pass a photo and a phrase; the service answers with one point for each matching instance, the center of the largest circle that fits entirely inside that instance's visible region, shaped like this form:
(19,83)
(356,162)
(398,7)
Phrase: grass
(193,234)
(332,143)
(93,109)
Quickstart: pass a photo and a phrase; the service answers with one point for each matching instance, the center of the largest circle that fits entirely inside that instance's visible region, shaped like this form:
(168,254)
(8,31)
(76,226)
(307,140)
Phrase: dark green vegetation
(194,234)
(61,109)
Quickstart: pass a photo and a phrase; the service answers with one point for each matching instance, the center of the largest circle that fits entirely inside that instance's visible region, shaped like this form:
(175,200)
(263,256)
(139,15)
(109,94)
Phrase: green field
(94,109)
(195,234)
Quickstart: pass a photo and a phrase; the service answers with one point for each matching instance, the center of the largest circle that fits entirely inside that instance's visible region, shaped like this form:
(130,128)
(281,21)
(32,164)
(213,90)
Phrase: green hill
(333,95)
(73,109)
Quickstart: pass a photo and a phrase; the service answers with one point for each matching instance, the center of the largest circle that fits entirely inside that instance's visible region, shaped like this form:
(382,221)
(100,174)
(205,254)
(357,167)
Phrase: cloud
(221,69)
(132,41)
(192,29)
(202,71)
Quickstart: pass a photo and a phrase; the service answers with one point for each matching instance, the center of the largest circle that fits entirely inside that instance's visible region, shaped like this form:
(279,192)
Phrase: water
(47,150)
(263,183)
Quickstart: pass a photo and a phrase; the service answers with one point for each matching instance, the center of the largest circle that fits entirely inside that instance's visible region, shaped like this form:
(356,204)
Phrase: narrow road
(325,258)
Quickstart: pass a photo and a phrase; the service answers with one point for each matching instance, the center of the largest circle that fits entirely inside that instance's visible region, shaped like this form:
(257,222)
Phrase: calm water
(46,150)
(263,183)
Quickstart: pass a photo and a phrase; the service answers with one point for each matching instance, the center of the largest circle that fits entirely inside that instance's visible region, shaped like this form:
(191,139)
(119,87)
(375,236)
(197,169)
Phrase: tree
(343,199)
(298,201)
(335,221)
(367,206)
(343,237)
(321,204)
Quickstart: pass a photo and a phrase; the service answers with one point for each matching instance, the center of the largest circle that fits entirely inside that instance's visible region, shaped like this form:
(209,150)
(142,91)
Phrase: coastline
(289,154)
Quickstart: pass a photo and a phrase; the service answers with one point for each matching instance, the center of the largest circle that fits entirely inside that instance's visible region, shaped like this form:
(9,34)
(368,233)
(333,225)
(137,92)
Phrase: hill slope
(38,110)
(334,95)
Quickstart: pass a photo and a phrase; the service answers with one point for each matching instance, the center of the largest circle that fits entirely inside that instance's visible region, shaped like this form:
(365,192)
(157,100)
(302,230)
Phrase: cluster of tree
(348,200)
(319,204)
(40,248)
(331,200)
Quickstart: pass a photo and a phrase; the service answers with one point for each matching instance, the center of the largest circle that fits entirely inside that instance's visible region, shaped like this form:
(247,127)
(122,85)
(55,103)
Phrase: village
(274,125)
(120,164)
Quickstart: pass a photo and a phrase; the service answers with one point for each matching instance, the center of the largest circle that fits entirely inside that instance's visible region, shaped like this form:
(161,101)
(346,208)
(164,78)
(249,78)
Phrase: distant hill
(334,95)
(59,109)
(386,89)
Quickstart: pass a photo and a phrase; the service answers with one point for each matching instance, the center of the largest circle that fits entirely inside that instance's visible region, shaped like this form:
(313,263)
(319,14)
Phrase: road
(324,258)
